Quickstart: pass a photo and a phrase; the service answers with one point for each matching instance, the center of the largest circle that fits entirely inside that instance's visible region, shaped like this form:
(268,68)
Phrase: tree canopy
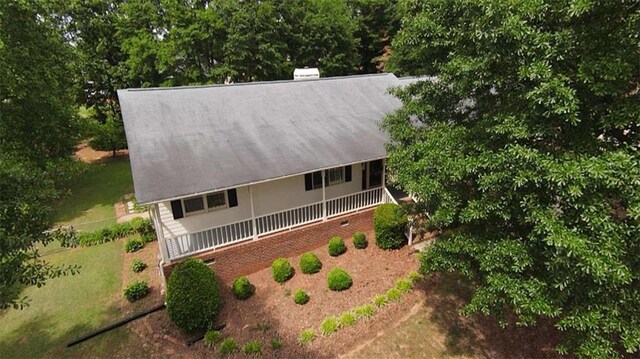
(524,148)
(38,131)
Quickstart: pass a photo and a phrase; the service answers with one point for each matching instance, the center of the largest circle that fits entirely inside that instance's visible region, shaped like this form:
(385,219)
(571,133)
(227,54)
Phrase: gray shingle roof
(189,140)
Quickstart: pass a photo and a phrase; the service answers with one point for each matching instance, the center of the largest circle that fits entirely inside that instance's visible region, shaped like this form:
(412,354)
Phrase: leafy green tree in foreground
(525,151)
(37,135)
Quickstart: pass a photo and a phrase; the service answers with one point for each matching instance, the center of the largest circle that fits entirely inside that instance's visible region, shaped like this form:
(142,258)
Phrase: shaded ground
(435,329)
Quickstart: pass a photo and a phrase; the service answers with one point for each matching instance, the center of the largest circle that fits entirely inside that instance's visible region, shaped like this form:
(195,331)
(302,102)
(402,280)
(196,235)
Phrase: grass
(68,307)
(93,194)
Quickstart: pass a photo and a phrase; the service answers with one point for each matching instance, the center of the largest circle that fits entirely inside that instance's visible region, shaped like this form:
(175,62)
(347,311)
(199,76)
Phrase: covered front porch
(252,228)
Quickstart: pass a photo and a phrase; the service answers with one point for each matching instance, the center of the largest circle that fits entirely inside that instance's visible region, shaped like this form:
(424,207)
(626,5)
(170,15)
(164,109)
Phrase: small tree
(109,136)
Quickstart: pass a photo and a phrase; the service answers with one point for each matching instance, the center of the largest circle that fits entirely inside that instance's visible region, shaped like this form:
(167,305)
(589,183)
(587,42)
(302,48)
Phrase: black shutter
(317,179)
(326,178)
(308,182)
(233,197)
(347,173)
(176,208)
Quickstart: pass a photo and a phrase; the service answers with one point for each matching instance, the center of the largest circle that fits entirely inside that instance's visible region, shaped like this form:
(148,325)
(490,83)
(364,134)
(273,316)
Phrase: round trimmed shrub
(242,288)
(301,297)
(336,246)
(389,223)
(193,299)
(360,240)
(309,263)
(282,270)
(339,280)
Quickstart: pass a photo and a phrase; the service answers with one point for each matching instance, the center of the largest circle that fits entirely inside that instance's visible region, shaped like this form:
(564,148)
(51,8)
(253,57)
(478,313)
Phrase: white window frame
(206,205)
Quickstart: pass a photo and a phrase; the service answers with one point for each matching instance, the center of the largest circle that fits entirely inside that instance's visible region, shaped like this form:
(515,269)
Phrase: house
(225,164)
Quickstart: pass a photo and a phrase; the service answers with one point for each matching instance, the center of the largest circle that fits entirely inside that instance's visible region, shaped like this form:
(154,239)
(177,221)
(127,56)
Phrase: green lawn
(68,307)
(93,194)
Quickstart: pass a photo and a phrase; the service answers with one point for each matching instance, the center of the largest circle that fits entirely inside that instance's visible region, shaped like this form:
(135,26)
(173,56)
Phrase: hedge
(193,298)
(389,224)
(118,230)
(336,246)
(242,288)
(310,263)
(282,270)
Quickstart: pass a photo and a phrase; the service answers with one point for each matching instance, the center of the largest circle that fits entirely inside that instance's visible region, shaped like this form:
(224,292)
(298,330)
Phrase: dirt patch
(85,153)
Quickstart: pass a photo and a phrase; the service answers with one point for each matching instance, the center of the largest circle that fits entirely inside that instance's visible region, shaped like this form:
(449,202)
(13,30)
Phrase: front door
(376,169)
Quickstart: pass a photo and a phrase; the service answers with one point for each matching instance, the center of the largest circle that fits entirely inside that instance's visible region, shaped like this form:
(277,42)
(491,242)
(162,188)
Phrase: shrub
(336,246)
(276,344)
(360,240)
(301,297)
(253,347)
(394,294)
(212,337)
(133,245)
(329,326)
(242,288)
(282,270)
(138,265)
(389,223)
(141,225)
(228,346)
(136,291)
(339,280)
(414,276)
(365,311)
(347,319)
(310,264)
(118,230)
(306,336)
(404,285)
(147,237)
(193,299)
(380,300)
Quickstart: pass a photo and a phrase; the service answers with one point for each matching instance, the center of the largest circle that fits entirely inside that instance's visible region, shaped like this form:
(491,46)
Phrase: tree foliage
(524,148)
(37,134)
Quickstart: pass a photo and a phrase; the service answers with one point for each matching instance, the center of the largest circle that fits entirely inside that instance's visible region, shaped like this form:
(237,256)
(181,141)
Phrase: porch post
(324,199)
(253,216)
(155,211)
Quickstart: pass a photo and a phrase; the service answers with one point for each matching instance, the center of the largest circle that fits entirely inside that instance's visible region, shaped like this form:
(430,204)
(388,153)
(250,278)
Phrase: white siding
(268,197)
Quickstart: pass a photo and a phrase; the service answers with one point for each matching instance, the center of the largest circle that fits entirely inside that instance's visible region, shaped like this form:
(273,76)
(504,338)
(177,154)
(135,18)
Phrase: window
(216,200)
(193,205)
(211,201)
(336,175)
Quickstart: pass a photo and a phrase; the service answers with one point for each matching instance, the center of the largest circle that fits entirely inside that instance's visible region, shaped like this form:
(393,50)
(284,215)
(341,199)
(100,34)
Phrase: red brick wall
(254,255)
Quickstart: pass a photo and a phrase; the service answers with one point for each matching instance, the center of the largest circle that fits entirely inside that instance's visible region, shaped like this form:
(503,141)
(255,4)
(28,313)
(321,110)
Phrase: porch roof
(190,140)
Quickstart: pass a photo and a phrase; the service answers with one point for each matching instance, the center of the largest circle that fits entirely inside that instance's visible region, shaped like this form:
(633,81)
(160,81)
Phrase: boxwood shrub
(360,240)
(339,280)
(336,246)
(310,263)
(193,298)
(301,297)
(282,270)
(242,288)
(389,223)
(136,291)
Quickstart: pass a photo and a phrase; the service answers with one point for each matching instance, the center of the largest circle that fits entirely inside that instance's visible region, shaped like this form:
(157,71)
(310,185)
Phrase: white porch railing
(274,222)
(212,238)
(188,244)
(356,201)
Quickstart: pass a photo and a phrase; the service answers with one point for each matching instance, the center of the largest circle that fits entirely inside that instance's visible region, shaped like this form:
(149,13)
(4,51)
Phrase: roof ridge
(323,79)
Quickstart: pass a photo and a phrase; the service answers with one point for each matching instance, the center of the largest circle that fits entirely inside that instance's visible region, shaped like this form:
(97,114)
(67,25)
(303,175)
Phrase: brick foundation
(253,255)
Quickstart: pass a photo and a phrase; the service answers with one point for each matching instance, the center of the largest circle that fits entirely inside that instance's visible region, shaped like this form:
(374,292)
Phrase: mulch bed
(271,312)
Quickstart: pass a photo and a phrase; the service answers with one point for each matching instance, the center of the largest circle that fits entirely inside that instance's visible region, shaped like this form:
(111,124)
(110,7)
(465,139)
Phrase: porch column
(384,172)
(155,216)
(324,199)
(253,216)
